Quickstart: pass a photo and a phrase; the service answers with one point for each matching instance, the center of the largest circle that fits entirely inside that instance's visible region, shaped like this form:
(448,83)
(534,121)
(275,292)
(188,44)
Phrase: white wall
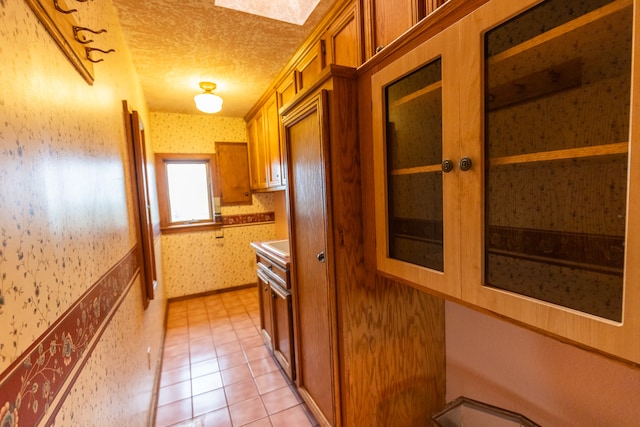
(552,383)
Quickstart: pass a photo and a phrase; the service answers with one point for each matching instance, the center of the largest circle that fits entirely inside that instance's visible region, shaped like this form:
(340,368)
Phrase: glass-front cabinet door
(507,171)
(557,228)
(415,138)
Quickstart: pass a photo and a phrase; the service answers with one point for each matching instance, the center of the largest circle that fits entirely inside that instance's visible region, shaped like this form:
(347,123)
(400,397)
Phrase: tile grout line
(231,303)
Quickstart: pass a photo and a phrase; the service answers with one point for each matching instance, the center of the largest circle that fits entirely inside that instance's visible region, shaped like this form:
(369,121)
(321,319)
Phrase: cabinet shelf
(560,77)
(560,262)
(569,153)
(419,93)
(583,21)
(416,170)
(590,252)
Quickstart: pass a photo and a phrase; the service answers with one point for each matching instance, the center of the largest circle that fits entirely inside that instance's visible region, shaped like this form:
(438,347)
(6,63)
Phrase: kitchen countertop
(265,250)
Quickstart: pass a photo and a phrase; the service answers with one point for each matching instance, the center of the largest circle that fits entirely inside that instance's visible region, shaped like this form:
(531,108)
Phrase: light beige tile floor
(216,370)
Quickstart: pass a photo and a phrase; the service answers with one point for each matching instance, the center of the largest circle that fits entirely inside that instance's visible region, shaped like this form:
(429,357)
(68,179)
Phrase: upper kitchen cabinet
(265,150)
(417,141)
(233,173)
(343,38)
(286,89)
(385,21)
(275,176)
(558,236)
(257,152)
(310,66)
(535,206)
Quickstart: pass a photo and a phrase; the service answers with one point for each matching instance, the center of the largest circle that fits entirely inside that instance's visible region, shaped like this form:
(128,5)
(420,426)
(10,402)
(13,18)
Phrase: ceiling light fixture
(208,102)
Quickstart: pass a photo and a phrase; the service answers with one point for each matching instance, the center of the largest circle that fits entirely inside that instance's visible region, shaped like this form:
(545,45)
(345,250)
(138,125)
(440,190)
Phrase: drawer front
(276,270)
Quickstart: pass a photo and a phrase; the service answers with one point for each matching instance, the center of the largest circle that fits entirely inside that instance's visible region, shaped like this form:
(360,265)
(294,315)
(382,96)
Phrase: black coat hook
(61,10)
(77,30)
(91,49)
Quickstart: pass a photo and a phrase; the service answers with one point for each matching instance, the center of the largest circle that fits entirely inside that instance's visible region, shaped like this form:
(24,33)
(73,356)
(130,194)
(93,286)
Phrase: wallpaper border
(36,384)
(246,219)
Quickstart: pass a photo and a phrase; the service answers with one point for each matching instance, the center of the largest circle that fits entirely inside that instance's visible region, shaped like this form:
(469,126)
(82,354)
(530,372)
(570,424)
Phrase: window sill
(191,228)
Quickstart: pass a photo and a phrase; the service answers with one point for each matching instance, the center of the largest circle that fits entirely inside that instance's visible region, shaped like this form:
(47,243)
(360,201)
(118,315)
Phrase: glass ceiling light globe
(207,102)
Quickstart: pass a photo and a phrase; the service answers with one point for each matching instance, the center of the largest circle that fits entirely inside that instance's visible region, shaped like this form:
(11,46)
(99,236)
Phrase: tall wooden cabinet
(504,166)
(319,129)
(349,326)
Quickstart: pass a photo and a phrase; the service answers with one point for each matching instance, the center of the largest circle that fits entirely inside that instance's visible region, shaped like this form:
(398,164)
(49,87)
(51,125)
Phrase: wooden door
(312,264)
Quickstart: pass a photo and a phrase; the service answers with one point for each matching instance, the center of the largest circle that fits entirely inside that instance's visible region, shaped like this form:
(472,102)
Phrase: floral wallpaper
(65,225)
(194,133)
(200,262)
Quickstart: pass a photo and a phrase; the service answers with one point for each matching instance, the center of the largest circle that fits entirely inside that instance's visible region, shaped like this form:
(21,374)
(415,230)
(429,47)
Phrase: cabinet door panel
(286,90)
(310,66)
(266,312)
(311,261)
(272,135)
(283,329)
(555,232)
(556,188)
(257,152)
(391,20)
(344,44)
(417,222)
(233,171)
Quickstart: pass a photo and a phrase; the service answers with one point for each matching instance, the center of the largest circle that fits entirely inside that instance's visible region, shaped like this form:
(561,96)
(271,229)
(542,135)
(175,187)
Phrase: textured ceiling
(176,45)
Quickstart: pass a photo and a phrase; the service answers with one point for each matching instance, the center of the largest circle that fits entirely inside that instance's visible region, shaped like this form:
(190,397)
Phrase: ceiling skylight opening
(291,11)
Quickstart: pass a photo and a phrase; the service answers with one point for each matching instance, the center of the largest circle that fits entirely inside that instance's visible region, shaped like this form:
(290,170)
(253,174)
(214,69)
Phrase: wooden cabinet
(275,177)
(343,38)
(233,173)
(257,152)
(286,89)
(417,204)
(385,20)
(266,312)
(532,217)
(265,147)
(276,318)
(322,118)
(347,322)
(283,328)
(310,66)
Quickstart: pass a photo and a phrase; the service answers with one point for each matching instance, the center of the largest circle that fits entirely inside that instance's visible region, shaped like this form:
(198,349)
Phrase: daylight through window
(187,189)
(188,192)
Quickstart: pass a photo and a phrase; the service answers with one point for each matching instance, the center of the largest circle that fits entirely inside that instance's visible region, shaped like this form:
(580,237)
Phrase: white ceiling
(176,45)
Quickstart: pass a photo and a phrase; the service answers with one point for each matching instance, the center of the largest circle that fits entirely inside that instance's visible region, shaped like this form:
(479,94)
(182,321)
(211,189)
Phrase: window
(188,192)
